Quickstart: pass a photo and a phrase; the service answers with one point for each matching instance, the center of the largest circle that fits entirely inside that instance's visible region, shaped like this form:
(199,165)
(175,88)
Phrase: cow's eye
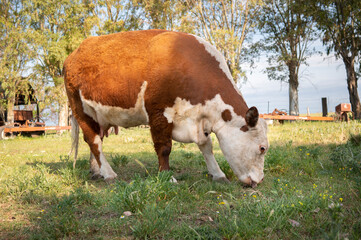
(262,149)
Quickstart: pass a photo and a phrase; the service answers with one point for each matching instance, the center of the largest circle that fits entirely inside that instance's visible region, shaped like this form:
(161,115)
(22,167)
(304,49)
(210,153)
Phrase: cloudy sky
(324,77)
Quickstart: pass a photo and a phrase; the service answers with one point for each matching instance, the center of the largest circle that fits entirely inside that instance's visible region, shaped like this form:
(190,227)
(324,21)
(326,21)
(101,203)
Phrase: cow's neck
(219,112)
(233,97)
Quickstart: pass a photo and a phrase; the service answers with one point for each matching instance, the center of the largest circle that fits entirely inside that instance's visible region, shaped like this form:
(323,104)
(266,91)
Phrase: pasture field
(312,189)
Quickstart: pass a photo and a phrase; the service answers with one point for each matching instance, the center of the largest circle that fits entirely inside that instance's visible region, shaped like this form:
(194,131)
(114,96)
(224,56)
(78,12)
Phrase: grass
(312,189)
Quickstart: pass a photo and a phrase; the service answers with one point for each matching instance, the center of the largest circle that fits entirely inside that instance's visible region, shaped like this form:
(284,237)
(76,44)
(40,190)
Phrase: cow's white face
(244,146)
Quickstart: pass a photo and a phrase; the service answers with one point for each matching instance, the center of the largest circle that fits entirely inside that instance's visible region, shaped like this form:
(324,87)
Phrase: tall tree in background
(14,54)
(124,15)
(288,32)
(58,29)
(227,24)
(163,14)
(340,23)
(117,15)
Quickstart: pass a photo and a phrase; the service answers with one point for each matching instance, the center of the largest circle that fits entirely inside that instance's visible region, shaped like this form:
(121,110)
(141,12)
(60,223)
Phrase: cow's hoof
(96,176)
(221,180)
(110,180)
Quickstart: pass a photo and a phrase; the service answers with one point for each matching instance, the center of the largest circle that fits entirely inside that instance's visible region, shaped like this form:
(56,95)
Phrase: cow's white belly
(185,131)
(190,122)
(117,116)
(184,116)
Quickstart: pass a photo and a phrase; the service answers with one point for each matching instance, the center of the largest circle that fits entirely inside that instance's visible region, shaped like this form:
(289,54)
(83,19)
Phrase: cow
(178,84)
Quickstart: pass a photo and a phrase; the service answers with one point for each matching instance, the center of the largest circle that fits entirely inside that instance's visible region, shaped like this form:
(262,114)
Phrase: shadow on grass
(138,164)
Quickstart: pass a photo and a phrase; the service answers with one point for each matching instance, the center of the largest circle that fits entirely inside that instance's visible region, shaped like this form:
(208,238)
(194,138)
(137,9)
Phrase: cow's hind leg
(91,131)
(212,165)
(105,169)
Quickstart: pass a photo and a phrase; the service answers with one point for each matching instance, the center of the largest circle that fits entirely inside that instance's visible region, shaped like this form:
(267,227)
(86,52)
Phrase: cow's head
(244,144)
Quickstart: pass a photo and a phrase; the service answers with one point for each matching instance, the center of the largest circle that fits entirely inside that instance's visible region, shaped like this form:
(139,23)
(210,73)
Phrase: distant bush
(348,155)
(119,160)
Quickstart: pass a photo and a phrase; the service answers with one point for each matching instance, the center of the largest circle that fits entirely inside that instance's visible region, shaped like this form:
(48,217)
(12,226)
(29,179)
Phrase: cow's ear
(252,117)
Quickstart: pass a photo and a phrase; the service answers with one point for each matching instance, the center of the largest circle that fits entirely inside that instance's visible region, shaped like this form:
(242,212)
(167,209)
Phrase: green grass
(312,189)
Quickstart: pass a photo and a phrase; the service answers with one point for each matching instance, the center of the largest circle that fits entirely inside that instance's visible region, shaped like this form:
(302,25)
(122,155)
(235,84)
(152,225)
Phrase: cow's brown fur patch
(226,115)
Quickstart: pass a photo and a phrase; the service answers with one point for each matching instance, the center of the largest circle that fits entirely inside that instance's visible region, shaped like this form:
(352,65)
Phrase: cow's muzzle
(251,183)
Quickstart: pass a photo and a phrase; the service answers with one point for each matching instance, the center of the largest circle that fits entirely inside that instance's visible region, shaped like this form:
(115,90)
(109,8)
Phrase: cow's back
(112,70)
(187,67)
(108,69)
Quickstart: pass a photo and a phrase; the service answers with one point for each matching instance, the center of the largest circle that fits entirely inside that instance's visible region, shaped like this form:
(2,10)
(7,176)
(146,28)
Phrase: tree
(163,14)
(340,23)
(288,32)
(126,15)
(58,29)
(15,54)
(228,24)
(117,15)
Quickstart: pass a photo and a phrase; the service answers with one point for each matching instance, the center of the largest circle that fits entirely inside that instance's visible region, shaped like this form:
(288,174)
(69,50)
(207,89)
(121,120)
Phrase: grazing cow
(177,83)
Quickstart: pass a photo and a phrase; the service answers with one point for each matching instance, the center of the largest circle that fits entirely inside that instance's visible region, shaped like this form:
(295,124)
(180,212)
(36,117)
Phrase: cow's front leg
(94,167)
(161,132)
(212,165)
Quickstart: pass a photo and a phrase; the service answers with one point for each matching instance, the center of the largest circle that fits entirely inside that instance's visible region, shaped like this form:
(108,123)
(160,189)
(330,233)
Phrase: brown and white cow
(177,83)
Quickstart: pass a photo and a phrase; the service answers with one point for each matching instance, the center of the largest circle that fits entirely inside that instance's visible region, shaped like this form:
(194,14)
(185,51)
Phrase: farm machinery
(24,120)
(342,113)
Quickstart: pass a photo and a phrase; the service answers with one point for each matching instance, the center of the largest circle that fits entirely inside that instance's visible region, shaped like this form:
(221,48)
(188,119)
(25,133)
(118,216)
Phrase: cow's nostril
(248,182)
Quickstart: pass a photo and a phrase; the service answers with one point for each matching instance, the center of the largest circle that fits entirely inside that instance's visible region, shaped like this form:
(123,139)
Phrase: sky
(324,77)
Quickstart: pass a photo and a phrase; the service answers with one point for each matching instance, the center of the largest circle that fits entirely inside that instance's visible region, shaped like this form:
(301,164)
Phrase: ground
(312,189)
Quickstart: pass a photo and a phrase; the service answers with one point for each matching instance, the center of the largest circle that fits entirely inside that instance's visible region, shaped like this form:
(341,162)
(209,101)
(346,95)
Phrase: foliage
(14,52)
(136,195)
(124,15)
(37,35)
(288,32)
(288,35)
(58,27)
(119,160)
(340,22)
(164,14)
(347,156)
(116,16)
(229,26)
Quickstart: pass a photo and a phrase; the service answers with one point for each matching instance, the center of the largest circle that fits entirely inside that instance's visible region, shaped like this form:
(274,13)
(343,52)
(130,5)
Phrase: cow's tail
(75,138)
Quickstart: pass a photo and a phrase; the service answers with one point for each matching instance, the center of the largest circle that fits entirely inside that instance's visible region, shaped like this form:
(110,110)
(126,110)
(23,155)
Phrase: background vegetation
(37,35)
(312,189)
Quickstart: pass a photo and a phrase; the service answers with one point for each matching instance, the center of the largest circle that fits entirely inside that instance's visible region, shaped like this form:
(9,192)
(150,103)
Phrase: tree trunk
(352,87)
(10,110)
(63,112)
(293,90)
